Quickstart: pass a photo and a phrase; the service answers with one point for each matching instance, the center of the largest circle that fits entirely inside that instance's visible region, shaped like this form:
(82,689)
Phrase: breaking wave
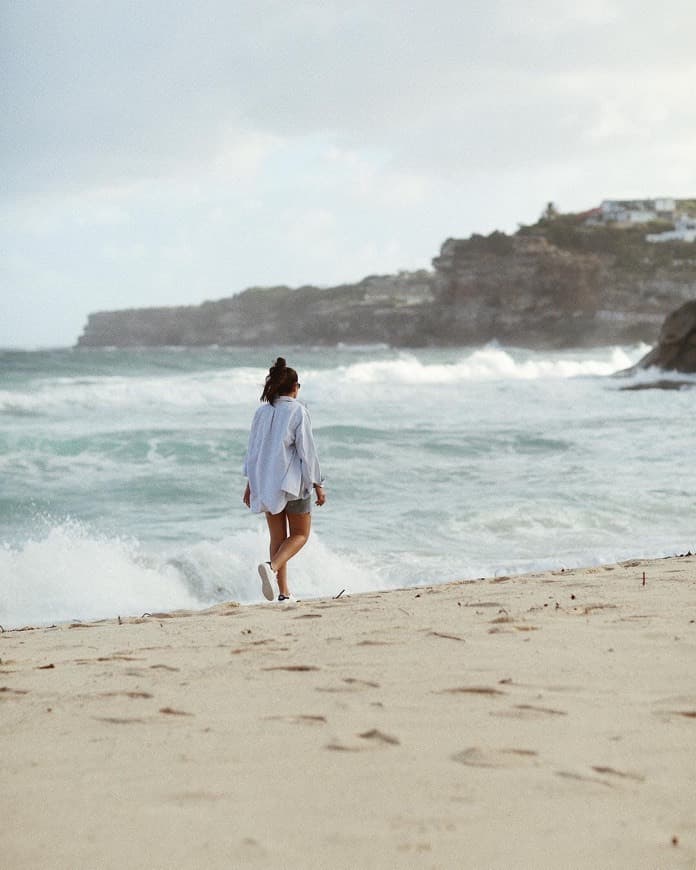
(487,364)
(218,388)
(71,572)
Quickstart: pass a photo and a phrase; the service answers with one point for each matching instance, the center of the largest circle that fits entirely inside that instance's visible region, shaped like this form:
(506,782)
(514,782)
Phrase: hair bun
(280,381)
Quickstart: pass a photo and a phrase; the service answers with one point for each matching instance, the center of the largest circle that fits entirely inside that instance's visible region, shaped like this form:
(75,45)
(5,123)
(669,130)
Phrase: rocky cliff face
(520,290)
(526,290)
(381,308)
(541,287)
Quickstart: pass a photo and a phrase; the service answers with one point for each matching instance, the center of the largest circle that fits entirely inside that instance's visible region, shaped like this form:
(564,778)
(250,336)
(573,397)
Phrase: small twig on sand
(339,594)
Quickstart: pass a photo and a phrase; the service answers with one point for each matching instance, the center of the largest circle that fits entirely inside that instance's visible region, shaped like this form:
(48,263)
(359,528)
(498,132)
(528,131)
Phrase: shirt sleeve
(307,451)
(251,444)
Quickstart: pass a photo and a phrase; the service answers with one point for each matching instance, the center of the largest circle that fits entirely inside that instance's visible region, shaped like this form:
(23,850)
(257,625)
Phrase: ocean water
(121,486)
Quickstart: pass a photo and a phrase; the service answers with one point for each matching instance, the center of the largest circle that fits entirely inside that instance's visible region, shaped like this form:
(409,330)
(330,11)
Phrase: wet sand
(542,721)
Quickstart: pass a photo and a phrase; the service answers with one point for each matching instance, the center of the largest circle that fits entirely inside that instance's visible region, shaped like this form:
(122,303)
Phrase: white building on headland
(684,231)
(628,212)
(636,211)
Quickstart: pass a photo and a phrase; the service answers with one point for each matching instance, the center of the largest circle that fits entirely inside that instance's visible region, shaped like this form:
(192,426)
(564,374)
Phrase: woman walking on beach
(282,470)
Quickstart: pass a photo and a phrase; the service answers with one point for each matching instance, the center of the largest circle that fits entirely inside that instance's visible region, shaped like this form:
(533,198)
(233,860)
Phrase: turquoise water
(121,472)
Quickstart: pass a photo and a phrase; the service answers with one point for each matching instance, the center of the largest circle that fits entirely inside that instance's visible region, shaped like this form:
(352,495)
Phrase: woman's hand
(246,498)
(321,495)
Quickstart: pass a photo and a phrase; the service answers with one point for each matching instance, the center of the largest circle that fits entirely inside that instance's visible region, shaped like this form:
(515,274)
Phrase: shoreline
(539,720)
(222,606)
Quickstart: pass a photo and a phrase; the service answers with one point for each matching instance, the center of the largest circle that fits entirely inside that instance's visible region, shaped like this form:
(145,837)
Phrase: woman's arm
(321,495)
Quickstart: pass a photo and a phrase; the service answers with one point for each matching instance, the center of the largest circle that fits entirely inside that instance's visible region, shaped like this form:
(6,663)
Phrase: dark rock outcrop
(675,350)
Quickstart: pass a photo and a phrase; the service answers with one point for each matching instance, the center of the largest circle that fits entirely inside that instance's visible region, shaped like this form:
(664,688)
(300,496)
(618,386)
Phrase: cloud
(169,151)
(131,90)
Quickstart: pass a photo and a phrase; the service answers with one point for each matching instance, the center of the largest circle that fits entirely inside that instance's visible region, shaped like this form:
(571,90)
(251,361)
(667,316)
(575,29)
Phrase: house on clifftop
(635,211)
(626,213)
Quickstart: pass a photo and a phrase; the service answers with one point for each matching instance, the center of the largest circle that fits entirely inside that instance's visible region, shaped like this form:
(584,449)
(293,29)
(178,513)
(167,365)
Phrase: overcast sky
(159,152)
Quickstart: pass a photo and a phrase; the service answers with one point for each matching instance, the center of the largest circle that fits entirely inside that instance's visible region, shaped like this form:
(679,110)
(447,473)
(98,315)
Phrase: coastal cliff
(558,283)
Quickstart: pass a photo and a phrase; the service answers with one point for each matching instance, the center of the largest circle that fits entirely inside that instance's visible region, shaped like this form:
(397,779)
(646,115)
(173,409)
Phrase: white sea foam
(219,388)
(487,364)
(126,393)
(361,348)
(654,376)
(73,573)
(227,568)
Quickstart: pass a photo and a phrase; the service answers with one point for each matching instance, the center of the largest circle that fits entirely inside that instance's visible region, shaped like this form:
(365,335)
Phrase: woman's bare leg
(278,530)
(299,527)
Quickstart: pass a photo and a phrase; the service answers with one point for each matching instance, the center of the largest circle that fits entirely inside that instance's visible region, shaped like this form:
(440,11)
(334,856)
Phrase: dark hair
(280,381)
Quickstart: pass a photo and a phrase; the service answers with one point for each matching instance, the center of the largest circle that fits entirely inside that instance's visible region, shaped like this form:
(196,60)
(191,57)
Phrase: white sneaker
(287,600)
(267,579)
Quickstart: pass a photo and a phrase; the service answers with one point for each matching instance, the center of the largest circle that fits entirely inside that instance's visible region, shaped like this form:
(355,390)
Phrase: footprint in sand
(445,636)
(352,685)
(612,771)
(380,737)
(579,777)
(529,711)
(250,646)
(670,706)
(117,657)
(471,690)
(475,756)
(374,643)
(374,736)
(291,668)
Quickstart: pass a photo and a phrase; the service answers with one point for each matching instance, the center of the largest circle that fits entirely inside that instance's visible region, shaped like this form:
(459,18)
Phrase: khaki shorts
(299,506)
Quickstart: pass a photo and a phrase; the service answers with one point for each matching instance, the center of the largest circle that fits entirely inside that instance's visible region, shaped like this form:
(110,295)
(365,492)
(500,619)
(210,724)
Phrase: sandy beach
(540,721)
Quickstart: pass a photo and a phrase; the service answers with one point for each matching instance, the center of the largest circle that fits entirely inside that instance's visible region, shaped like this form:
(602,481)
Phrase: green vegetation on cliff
(626,245)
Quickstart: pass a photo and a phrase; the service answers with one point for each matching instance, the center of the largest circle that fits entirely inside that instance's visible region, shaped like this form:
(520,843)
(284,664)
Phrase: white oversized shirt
(281,463)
